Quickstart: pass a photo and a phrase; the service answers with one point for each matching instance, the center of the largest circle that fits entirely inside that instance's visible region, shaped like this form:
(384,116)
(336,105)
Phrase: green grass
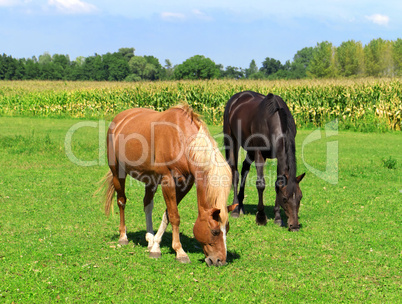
(57,245)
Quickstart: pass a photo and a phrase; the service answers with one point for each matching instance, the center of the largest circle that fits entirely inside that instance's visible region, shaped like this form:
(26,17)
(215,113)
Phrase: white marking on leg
(159,234)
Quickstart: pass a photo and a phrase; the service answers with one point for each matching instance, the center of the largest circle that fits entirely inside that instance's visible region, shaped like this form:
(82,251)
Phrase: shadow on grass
(190,245)
(269,212)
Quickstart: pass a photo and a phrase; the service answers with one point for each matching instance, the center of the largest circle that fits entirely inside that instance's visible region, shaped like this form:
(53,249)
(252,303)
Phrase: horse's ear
(215,213)
(300,177)
(232,207)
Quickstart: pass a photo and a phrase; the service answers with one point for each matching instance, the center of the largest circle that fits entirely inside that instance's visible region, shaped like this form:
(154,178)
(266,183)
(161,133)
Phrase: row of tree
(351,59)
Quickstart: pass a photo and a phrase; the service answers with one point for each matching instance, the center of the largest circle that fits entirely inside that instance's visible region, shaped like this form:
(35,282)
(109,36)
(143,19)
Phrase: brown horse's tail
(107,184)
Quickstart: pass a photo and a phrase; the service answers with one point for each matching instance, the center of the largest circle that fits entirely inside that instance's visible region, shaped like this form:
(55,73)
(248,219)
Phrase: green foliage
(379,58)
(397,56)
(389,163)
(197,67)
(270,66)
(349,59)
(58,246)
(365,105)
(252,69)
(322,64)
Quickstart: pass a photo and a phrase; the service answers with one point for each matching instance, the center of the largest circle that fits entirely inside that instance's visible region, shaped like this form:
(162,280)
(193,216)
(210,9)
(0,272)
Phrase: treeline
(379,58)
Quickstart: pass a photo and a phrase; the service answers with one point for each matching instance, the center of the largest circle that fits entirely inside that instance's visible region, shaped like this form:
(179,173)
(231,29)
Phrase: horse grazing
(175,150)
(265,128)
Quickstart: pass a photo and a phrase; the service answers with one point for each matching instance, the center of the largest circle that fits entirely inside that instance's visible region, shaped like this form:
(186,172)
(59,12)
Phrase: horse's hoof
(155,255)
(235,214)
(184,260)
(123,242)
(261,218)
(278,222)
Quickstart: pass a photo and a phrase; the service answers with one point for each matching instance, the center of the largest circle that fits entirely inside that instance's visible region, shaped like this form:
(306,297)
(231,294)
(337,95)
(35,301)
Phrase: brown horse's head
(288,196)
(211,233)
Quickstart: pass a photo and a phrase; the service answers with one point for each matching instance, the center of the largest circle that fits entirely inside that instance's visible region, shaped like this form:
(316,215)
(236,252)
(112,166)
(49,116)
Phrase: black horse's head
(288,196)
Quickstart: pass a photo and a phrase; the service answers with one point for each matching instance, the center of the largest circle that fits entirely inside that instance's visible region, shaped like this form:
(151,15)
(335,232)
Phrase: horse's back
(252,108)
(145,140)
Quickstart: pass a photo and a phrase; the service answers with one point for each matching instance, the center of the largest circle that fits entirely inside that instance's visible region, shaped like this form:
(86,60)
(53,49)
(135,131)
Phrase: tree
(322,64)
(252,69)
(142,69)
(270,66)
(32,69)
(233,73)
(349,59)
(301,61)
(167,72)
(397,56)
(127,53)
(116,66)
(45,58)
(197,67)
(378,58)
(61,65)
(11,68)
(94,69)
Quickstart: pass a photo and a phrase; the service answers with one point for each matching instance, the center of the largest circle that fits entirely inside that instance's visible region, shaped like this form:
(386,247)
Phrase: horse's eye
(215,232)
(284,200)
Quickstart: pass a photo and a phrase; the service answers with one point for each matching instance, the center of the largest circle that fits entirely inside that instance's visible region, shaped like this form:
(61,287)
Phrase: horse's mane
(194,117)
(272,104)
(204,152)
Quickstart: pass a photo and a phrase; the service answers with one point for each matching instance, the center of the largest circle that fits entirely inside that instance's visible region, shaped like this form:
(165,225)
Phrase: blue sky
(231,33)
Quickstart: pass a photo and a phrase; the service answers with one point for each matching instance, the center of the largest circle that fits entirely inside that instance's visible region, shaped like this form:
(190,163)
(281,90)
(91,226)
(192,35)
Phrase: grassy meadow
(56,244)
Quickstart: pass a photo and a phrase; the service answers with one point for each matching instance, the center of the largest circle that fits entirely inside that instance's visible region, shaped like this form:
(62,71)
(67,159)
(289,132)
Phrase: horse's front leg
(277,212)
(169,194)
(261,218)
(232,154)
(155,251)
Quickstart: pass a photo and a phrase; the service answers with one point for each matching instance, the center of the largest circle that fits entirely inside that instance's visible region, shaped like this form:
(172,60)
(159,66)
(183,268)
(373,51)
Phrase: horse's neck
(284,158)
(282,167)
(201,185)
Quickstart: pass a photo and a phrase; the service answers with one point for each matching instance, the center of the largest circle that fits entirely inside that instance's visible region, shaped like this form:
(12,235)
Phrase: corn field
(362,104)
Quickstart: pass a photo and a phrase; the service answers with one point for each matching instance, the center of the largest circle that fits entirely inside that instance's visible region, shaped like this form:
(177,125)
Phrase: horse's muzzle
(294,228)
(214,262)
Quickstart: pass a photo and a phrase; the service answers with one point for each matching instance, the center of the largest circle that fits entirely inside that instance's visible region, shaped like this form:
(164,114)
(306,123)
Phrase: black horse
(265,128)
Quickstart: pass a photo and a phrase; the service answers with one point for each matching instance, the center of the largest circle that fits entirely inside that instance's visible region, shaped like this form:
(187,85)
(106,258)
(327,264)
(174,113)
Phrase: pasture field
(56,244)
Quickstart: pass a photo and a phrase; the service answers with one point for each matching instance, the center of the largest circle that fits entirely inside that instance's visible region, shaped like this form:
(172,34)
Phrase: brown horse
(175,150)
(265,128)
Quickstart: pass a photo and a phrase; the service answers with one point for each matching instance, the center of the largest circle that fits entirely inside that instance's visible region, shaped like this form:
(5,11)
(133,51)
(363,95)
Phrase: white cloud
(201,15)
(168,16)
(378,19)
(73,6)
(9,2)
(195,13)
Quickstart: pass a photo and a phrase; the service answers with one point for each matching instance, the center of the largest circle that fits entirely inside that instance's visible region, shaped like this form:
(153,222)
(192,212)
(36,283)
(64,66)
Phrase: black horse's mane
(272,104)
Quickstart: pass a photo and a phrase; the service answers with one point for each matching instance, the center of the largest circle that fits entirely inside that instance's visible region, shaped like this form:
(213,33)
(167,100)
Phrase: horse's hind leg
(261,218)
(119,184)
(148,206)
